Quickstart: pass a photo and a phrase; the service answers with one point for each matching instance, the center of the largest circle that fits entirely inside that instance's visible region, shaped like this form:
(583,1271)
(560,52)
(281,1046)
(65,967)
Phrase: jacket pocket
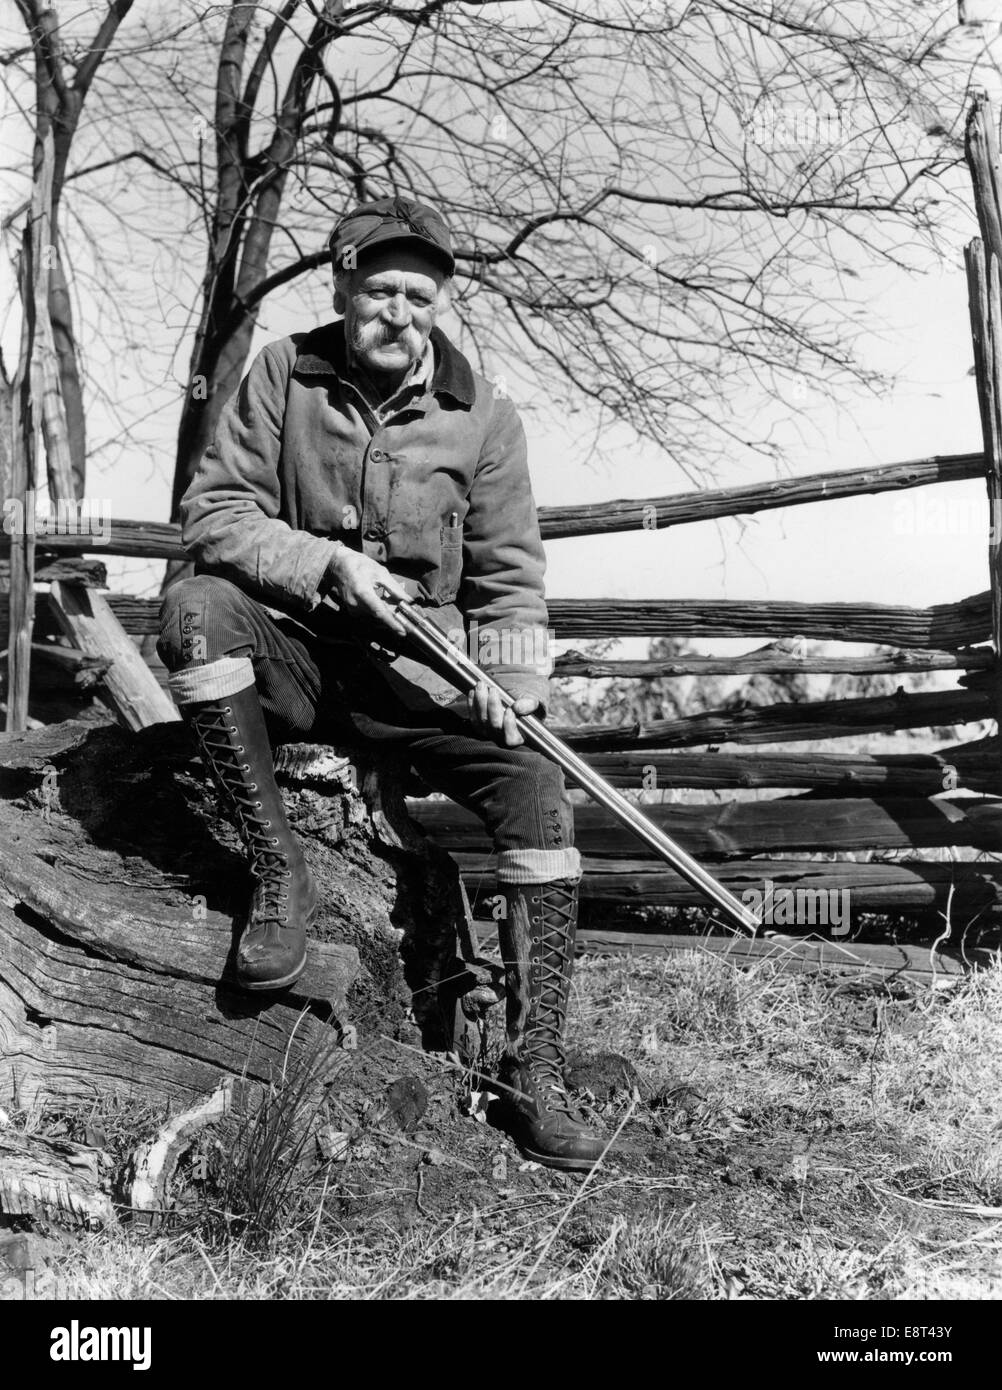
(450,567)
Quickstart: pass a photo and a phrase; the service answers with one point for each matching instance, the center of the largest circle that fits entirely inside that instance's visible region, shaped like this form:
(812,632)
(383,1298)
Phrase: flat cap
(391,219)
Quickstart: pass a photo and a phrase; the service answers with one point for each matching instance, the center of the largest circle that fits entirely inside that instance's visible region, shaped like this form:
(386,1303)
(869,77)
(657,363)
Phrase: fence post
(24,433)
(983,259)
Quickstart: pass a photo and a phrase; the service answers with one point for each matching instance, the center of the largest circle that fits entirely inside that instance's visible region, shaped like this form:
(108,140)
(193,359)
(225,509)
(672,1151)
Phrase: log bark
(787,723)
(970,765)
(944,626)
(647,512)
(83,615)
(55,1182)
(18,620)
(162,540)
(769,661)
(875,887)
(758,827)
(151,540)
(120,897)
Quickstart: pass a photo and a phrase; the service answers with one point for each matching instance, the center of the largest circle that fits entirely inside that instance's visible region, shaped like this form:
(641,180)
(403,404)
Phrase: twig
(961,1208)
(420,1182)
(424,1148)
(943,936)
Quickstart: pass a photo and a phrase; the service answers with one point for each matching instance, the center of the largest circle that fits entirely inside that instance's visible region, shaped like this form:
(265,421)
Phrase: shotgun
(465,674)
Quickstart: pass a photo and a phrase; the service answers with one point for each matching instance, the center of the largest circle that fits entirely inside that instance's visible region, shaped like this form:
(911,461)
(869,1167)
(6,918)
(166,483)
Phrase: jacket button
(377,455)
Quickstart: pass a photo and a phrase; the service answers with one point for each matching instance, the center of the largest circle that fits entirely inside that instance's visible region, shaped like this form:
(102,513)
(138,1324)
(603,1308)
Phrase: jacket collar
(321,352)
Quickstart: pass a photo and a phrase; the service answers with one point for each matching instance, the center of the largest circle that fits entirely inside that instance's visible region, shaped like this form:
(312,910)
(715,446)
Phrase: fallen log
(120,896)
(55,1182)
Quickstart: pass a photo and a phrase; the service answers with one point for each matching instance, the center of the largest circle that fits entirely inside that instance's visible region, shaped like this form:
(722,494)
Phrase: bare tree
(662,207)
(61,86)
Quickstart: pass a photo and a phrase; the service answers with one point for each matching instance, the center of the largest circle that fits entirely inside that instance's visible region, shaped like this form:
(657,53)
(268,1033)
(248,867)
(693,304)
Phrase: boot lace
(269,866)
(553,928)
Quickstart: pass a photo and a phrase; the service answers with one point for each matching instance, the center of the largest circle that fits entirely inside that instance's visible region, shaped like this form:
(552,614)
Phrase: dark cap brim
(384,236)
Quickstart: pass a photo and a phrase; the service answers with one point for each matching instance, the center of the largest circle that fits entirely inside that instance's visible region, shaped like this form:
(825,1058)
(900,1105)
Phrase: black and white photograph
(501,670)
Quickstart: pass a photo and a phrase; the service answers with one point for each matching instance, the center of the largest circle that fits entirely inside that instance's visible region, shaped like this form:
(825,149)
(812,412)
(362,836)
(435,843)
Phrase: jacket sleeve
(229,514)
(502,594)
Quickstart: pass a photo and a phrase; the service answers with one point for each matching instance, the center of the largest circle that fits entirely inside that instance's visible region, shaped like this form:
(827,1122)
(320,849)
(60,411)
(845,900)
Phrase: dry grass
(822,1140)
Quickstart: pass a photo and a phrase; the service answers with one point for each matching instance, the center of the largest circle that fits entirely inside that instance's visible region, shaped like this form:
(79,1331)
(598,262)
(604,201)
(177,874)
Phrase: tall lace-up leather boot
(234,743)
(537,947)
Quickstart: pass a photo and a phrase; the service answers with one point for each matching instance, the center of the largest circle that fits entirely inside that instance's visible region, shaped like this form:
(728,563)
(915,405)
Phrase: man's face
(390,303)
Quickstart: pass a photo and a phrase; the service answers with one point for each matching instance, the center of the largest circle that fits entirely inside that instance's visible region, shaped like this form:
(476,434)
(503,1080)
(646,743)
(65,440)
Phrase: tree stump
(121,892)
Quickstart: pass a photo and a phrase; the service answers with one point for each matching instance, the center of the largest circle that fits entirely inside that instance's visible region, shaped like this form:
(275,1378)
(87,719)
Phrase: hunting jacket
(434,485)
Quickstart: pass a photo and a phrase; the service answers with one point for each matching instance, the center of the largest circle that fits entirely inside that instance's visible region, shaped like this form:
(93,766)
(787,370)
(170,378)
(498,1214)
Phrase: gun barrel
(465,674)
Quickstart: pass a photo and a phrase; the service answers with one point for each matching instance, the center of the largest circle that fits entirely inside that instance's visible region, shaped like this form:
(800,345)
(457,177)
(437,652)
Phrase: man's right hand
(356,581)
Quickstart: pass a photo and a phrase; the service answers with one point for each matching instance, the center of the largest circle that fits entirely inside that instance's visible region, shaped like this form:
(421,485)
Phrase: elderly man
(362,461)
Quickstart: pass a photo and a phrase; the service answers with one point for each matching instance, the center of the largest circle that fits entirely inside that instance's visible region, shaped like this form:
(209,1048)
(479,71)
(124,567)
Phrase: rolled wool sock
(538,865)
(214,681)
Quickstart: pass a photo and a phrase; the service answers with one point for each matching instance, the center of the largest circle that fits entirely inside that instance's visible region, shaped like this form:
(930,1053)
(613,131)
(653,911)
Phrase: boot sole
(261,986)
(567,1165)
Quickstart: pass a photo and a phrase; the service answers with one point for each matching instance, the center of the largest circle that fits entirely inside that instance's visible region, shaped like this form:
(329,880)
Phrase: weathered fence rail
(967,890)
(162,540)
(943,626)
(760,827)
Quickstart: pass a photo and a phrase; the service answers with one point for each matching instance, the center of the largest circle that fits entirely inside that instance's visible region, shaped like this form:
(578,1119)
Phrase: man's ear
(444,297)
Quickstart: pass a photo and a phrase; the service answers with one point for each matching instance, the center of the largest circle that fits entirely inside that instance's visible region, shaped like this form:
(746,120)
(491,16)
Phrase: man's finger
(480,703)
(392,588)
(495,709)
(511,734)
(382,611)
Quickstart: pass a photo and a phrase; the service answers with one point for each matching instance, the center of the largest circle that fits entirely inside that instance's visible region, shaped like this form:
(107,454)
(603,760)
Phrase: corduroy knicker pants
(336,693)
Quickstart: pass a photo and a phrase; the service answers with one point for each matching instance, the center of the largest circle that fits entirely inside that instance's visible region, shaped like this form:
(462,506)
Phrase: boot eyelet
(276,840)
(234,729)
(227,709)
(240,748)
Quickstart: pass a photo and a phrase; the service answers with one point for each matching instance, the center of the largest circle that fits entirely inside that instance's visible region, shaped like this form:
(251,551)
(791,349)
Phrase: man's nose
(398,311)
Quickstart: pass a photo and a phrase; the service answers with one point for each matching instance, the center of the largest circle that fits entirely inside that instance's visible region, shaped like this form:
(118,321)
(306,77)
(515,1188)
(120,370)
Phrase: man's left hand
(496,720)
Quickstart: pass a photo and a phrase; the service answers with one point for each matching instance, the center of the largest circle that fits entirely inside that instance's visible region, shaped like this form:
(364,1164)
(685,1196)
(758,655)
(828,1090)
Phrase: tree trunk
(120,888)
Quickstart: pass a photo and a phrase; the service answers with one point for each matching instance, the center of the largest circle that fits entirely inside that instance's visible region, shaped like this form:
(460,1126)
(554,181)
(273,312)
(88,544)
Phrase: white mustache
(376,337)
